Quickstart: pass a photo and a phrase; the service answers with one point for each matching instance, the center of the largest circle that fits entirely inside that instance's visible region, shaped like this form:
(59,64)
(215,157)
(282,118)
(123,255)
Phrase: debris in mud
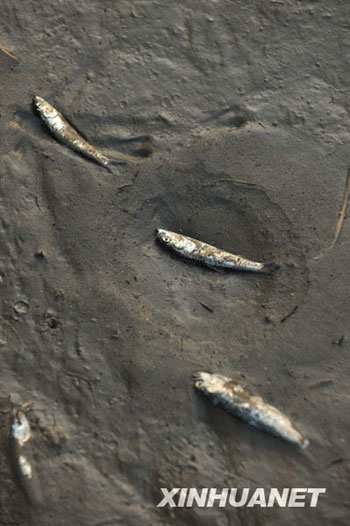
(55,436)
(321,383)
(9,54)
(207,307)
(338,460)
(21,307)
(52,322)
(340,341)
(39,254)
(341,219)
(293,311)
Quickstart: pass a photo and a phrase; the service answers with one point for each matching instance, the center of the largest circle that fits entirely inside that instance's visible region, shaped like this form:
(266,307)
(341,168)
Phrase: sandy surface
(101,328)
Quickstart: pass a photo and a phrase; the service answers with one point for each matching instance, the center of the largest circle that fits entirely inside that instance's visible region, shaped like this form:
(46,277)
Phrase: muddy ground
(238,113)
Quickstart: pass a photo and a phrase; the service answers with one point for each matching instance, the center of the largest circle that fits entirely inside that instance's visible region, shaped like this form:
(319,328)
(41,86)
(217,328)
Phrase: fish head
(44,107)
(173,240)
(201,379)
(165,236)
(208,381)
(213,383)
(20,428)
(38,102)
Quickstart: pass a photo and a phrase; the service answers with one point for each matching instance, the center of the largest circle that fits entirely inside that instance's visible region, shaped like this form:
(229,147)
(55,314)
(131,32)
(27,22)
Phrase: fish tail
(112,165)
(111,169)
(270,267)
(304,443)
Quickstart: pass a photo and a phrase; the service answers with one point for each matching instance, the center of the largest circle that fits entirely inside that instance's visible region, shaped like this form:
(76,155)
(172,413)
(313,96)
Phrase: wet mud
(241,129)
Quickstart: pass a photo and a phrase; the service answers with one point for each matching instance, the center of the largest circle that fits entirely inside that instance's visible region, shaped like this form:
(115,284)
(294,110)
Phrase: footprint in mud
(234,116)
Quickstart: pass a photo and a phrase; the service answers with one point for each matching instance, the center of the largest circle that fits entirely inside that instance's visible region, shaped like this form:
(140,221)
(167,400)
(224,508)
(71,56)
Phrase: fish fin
(117,161)
(111,169)
(214,268)
(113,164)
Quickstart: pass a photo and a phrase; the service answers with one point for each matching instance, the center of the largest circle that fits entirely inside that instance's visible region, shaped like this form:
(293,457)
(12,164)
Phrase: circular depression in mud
(206,308)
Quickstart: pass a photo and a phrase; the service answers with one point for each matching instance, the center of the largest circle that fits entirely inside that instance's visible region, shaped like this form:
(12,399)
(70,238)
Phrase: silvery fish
(22,455)
(66,134)
(209,255)
(231,396)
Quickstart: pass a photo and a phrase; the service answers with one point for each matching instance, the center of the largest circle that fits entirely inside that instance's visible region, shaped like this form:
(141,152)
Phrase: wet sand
(238,113)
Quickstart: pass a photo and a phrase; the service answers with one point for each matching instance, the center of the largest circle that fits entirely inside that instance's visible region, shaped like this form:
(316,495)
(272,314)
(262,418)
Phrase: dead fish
(22,455)
(65,133)
(208,254)
(231,396)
